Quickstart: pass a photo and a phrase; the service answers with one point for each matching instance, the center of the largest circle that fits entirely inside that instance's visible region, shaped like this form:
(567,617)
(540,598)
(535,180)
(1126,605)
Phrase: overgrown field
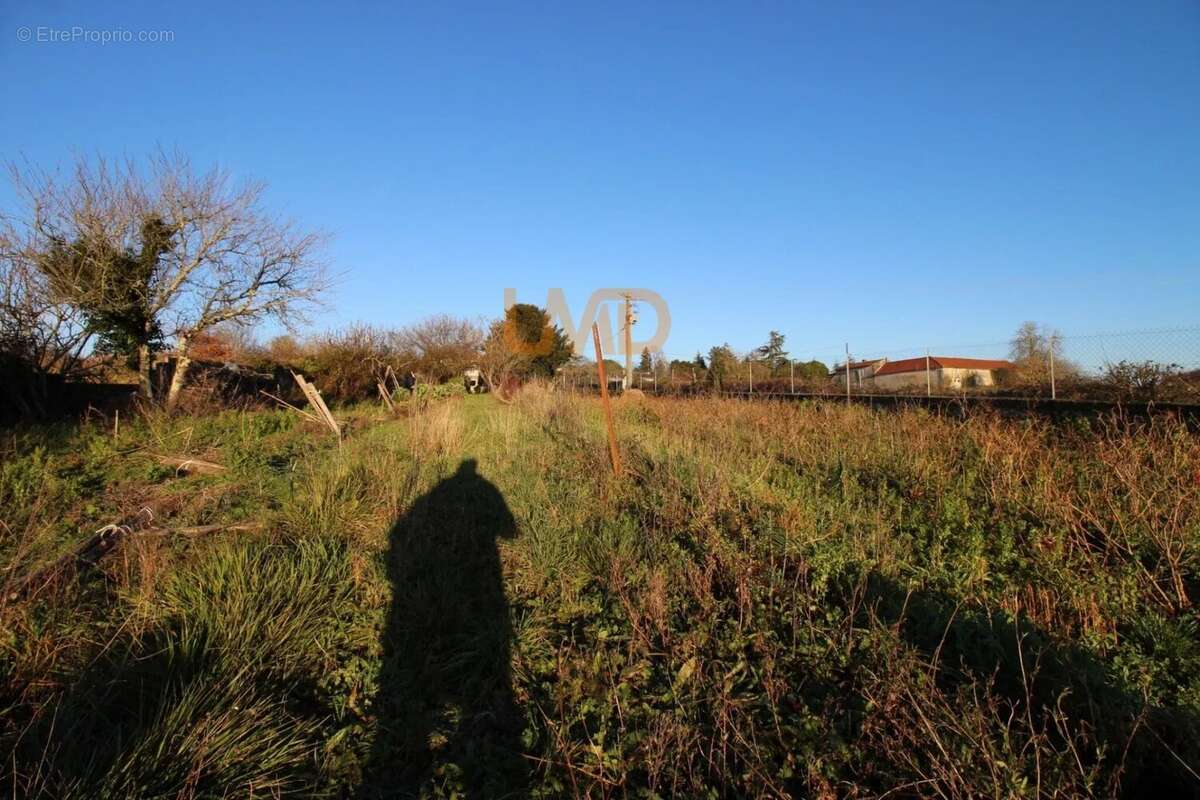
(777,600)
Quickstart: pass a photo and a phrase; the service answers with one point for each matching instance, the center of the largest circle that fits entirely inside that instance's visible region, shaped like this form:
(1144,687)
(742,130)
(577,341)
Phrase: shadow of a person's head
(463,505)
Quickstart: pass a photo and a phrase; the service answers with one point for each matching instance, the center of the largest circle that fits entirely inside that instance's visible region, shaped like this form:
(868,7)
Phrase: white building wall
(964,377)
(944,379)
(903,380)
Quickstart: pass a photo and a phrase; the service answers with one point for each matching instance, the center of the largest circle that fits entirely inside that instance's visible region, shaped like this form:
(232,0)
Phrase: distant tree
(530,333)
(346,364)
(523,344)
(229,342)
(529,327)
(772,353)
(212,346)
(699,362)
(812,370)
(1031,350)
(285,350)
(661,366)
(646,362)
(441,347)
(722,365)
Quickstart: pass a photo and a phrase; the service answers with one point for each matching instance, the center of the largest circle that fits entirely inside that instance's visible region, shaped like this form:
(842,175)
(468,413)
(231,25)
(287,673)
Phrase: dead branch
(102,542)
(187,466)
(286,404)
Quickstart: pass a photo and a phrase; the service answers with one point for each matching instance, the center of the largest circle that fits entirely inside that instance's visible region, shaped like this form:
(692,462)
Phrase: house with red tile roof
(939,373)
(861,372)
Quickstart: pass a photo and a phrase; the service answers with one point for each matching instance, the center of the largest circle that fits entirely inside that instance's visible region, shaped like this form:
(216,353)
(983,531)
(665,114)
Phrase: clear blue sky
(891,174)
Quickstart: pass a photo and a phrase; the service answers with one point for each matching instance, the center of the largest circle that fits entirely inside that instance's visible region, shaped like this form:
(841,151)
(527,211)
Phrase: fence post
(792,374)
(1053,390)
(750,364)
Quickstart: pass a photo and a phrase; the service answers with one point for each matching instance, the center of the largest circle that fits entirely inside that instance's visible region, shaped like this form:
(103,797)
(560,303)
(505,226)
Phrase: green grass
(787,600)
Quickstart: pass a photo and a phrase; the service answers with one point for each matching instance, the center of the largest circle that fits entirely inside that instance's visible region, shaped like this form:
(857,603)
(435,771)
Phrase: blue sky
(889,174)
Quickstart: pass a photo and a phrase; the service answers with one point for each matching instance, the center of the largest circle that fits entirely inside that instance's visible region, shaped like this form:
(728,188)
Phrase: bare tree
(441,347)
(38,336)
(224,259)
(1032,348)
(500,361)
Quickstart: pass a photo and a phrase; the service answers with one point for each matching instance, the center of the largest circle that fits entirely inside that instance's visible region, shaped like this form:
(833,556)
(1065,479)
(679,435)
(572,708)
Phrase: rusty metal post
(608,417)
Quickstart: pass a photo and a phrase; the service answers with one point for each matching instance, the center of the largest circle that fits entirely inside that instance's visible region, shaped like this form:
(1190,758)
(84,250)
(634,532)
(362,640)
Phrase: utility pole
(847,372)
(628,340)
(928,377)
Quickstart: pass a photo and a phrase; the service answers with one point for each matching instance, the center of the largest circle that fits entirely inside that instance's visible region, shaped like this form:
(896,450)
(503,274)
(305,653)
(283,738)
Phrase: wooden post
(608,417)
(928,375)
(387,400)
(318,404)
(792,374)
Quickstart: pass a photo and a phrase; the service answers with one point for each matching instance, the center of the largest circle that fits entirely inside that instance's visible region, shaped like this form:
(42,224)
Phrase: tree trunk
(182,362)
(144,365)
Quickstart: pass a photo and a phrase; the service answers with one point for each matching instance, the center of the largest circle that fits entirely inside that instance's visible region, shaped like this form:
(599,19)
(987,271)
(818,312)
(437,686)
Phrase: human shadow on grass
(446,721)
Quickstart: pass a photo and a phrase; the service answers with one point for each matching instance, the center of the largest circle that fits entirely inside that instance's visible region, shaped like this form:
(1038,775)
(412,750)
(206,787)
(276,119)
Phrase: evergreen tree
(528,332)
(773,353)
(113,288)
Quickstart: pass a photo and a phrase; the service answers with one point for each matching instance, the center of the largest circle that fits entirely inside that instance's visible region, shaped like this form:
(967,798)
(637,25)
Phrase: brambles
(778,599)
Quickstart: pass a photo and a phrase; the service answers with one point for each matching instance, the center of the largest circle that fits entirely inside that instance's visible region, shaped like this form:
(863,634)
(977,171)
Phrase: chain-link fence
(1148,365)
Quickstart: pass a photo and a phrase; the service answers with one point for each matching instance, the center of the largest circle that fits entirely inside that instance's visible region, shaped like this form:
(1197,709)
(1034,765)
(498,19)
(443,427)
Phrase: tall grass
(774,600)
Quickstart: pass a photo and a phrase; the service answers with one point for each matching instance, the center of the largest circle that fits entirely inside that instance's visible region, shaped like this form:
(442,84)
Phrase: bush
(1147,381)
(346,365)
